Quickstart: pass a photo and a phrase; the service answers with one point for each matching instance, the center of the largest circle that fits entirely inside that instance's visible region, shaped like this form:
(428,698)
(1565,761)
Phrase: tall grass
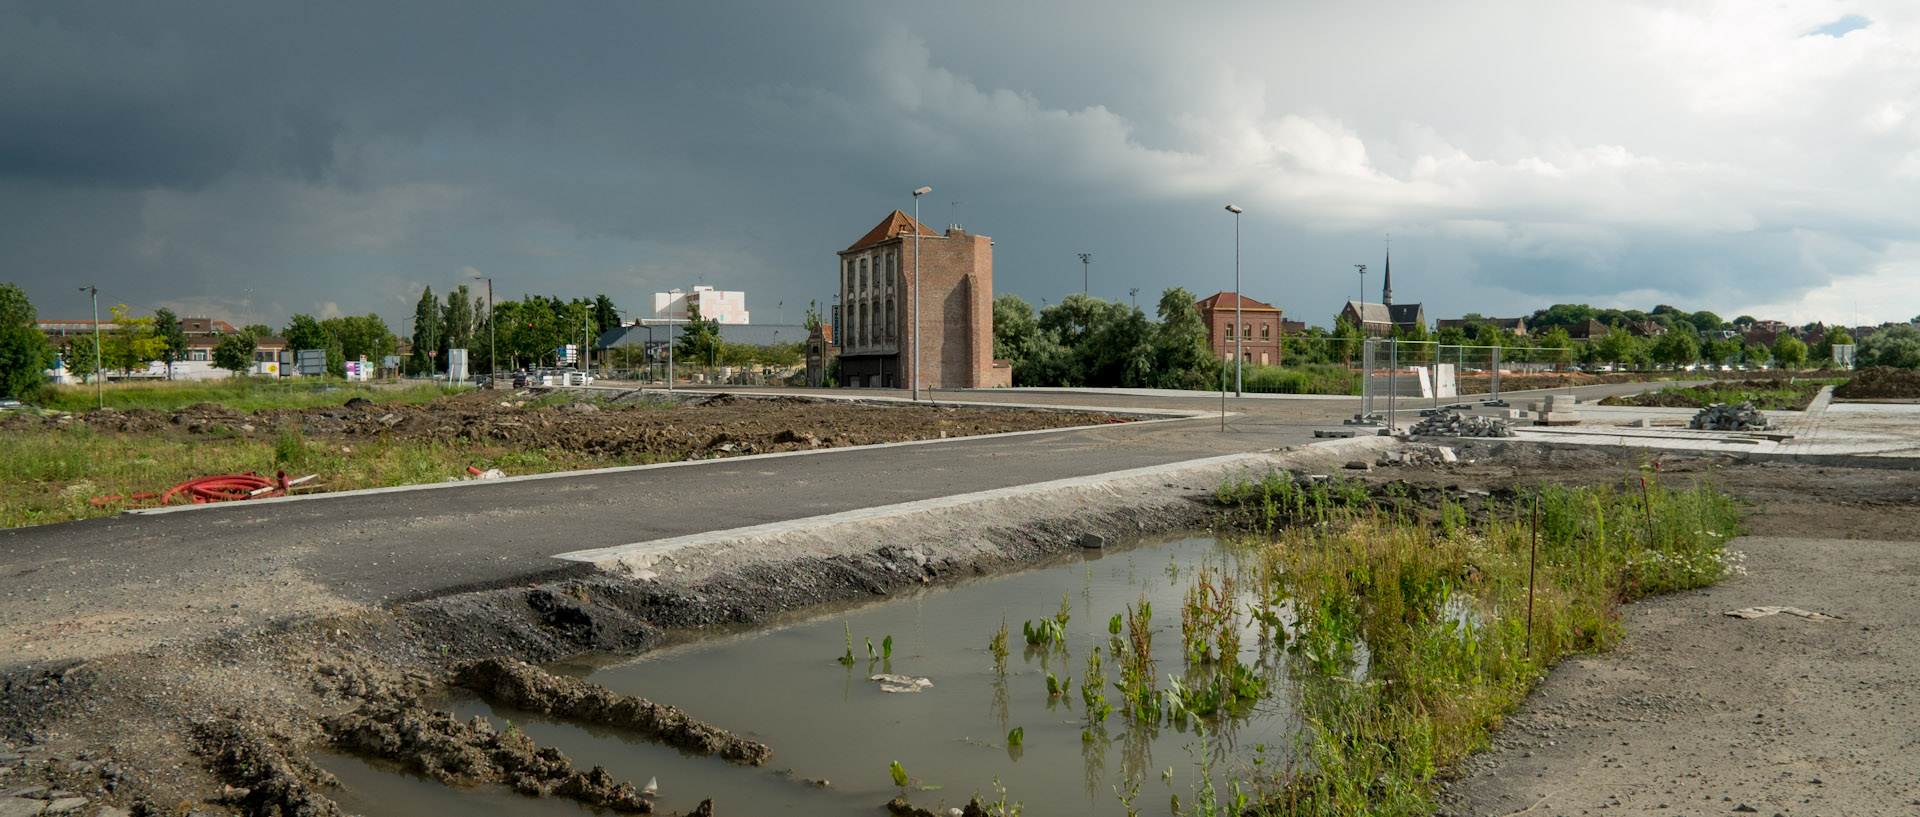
(1316,378)
(240,394)
(1410,638)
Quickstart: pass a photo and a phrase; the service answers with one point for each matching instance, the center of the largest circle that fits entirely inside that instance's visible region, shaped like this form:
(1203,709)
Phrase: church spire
(1386,278)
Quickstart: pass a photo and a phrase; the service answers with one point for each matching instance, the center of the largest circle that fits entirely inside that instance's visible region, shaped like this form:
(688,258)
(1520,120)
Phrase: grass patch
(54,475)
(1410,640)
(1318,378)
(240,394)
(1765,395)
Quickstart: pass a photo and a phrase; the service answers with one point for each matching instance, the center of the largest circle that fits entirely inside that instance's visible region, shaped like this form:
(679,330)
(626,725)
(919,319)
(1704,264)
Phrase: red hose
(221,488)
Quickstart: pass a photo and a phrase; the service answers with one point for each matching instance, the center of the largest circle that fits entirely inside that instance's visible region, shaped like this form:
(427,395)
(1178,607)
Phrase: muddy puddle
(834,732)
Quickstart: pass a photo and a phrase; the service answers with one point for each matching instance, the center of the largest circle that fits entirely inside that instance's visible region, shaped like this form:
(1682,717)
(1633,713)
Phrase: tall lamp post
(1086,275)
(1237,331)
(493,363)
(916,291)
(99,374)
(1360,306)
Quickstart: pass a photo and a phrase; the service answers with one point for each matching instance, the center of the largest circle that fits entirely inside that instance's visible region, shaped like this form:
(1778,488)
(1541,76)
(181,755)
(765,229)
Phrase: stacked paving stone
(1722,417)
(1450,423)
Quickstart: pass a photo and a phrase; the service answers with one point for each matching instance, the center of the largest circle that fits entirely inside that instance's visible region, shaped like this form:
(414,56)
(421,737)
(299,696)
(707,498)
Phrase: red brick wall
(1252,346)
(956,310)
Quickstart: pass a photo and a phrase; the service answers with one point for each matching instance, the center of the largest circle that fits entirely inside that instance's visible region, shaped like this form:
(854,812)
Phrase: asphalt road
(121,581)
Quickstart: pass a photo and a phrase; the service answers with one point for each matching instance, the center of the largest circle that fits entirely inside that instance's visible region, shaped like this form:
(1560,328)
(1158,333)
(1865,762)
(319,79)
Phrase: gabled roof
(889,227)
(1226,300)
(1407,313)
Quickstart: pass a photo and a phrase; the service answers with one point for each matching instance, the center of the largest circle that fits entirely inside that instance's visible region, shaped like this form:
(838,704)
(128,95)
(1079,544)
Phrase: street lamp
(1237,330)
(493,364)
(916,290)
(99,384)
(1135,292)
(1361,305)
(1086,277)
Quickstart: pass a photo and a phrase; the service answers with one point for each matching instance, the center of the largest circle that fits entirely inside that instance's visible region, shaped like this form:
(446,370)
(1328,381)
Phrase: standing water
(787,686)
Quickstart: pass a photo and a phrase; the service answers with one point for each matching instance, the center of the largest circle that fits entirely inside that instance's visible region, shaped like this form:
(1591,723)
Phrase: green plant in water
(886,648)
(1113,624)
(899,774)
(998,644)
(1066,611)
(1016,736)
(1048,631)
(1058,686)
(848,658)
(1093,687)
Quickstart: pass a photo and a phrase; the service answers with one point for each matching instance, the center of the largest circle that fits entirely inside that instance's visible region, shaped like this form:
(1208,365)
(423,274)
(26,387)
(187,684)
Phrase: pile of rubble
(1416,455)
(1722,417)
(1451,423)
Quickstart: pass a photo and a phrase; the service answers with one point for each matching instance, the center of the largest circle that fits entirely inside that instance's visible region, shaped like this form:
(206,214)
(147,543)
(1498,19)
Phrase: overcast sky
(249,160)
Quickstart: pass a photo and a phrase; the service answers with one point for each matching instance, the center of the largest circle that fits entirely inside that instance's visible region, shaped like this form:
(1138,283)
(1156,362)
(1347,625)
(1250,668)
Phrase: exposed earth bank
(223,724)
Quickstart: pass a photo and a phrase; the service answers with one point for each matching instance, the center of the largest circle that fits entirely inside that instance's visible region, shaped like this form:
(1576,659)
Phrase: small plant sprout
(886,648)
(1113,624)
(998,644)
(1066,611)
(899,774)
(848,658)
(1017,736)
(871,652)
(1057,686)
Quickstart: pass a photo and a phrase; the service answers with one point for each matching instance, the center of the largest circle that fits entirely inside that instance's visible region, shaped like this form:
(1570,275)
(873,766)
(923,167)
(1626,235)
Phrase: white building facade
(713,304)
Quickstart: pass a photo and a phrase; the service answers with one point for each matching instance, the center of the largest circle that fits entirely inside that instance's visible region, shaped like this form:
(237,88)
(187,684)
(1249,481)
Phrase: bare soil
(628,426)
(1881,383)
(1699,712)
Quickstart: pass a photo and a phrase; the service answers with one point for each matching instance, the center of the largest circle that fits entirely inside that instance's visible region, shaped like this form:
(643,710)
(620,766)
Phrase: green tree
(813,315)
(1556,346)
(80,358)
(1182,358)
(1620,347)
(1345,341)
(132,344)
(235,353)
(1014,330)
(1676,349)
(1896,346)
(456,325)
(258,330)
(605,315)
(1789,352)
(699,338)
(167,327)
(426,334)
(1822,351)
(24,351)
(362,336)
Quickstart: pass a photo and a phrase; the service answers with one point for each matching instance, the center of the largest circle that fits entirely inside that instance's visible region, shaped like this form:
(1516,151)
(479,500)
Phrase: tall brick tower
(955,328)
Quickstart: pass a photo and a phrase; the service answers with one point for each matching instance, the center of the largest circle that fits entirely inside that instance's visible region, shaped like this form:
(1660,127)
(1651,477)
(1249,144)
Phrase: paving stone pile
(1722,417)
(1450,423)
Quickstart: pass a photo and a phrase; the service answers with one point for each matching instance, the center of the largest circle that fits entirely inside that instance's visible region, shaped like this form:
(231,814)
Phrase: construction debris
(1450,423)
(1722,417)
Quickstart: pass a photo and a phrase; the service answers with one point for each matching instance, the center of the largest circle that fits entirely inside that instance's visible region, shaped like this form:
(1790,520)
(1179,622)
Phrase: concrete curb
(1168,416)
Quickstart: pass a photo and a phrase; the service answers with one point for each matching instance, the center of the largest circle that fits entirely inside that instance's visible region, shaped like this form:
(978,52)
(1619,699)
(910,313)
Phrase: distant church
(1379,320)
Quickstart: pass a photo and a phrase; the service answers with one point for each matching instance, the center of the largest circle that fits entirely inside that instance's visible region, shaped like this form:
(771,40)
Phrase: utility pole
(99,373)
(1086,276)
(493,363)
(1135,292)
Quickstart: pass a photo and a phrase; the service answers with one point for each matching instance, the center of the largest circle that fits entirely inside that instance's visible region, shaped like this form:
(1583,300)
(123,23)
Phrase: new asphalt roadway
(81,589)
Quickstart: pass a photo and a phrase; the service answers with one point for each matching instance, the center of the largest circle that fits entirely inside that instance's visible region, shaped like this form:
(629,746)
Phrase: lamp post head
(922,191)
(1234,209)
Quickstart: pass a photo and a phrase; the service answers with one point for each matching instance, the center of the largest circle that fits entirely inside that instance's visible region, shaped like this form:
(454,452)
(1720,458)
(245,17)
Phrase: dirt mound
(1881,383)
(520,685)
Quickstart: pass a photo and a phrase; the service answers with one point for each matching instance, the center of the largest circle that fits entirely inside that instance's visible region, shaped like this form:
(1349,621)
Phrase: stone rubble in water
(901,683)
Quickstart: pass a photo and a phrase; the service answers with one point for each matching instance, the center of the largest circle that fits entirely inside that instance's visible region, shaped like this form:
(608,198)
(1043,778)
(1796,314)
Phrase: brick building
(1259,333)
(875,326)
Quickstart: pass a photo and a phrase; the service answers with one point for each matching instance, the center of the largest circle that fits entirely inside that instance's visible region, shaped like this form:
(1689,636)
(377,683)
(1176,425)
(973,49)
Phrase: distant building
(1518,326)
(1379,320)
(1259,331)
(714,305)
(876,323)
(1589,329)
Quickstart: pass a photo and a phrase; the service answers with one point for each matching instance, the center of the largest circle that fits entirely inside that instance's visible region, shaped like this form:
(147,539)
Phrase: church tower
(1386,278)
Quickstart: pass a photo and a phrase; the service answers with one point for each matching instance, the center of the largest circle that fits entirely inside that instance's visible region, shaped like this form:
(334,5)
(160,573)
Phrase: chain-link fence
(1327,365)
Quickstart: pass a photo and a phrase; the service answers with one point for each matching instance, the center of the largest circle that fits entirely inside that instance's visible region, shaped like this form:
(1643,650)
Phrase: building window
(863,324)
(892,319)
(1229,331)
(1266,331)
(863,275)
(1246,329)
